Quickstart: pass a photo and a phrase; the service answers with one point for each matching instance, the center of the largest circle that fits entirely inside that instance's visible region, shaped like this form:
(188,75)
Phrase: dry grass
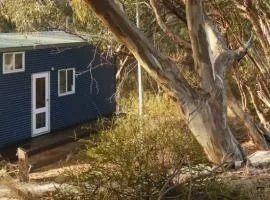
(254,183)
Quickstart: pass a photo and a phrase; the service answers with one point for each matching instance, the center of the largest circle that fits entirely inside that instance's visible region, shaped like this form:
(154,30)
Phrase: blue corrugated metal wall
(85,104)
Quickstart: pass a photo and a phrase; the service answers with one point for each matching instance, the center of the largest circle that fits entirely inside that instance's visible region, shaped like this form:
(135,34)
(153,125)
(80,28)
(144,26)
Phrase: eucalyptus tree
(204,108)
(252,78)
(230,24)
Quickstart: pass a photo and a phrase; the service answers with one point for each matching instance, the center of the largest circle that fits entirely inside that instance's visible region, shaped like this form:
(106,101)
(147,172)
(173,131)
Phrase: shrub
(138,157)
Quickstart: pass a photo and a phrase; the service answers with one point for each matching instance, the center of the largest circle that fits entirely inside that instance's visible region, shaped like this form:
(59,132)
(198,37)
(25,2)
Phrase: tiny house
(49,81)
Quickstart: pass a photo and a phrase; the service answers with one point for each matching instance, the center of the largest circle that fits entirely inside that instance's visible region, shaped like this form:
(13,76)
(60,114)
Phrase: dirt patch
(60,173)
(55,156)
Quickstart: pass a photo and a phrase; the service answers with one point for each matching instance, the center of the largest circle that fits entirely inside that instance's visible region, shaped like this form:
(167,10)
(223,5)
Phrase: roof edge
(42,46)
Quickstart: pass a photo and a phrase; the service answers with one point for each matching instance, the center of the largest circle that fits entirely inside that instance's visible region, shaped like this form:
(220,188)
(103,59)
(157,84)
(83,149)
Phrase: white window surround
(13,63)
(59,81)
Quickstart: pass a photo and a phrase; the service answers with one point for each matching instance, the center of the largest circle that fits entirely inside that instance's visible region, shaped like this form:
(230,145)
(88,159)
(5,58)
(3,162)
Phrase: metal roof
(37,40)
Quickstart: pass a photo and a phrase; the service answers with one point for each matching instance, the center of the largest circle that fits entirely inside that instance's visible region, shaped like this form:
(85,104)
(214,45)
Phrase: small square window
(66,82)
(13,62)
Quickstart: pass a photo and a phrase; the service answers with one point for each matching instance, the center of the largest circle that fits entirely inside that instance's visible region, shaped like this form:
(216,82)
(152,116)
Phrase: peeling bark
(204,110)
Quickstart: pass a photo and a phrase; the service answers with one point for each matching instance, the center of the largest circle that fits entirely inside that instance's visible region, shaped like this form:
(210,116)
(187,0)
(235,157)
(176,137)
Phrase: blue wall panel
(93,96)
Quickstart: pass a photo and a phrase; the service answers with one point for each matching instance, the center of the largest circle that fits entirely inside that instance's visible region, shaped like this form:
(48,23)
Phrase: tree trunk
(209,126)
(205,109)
(258,135)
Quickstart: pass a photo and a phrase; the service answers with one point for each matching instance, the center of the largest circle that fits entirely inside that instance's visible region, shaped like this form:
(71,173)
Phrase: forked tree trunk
(205,109)
(260,137)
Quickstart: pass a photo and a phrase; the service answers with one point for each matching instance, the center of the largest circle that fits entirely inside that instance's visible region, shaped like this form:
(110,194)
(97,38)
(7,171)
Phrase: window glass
(66,82)
(40,120)
(8,62)
(70,80)
(62,82)
(18,61)
(40,93)
(13,62)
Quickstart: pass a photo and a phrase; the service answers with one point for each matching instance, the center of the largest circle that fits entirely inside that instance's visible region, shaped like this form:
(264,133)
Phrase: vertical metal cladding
(93,98)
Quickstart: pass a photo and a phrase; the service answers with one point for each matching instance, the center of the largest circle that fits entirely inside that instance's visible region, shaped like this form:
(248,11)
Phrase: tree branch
(158,66)
(181,42)
(178,10)
(240,54)
(200,44)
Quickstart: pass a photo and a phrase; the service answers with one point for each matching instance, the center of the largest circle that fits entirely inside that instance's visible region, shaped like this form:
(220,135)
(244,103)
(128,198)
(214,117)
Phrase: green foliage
(32,15)
(134,158)
(86,21)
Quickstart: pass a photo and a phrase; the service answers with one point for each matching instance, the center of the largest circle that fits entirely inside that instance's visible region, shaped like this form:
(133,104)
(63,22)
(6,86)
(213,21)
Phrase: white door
(40,104)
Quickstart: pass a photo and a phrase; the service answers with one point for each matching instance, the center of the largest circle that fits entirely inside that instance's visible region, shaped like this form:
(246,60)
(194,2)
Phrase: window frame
(14,70)
(59,82)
